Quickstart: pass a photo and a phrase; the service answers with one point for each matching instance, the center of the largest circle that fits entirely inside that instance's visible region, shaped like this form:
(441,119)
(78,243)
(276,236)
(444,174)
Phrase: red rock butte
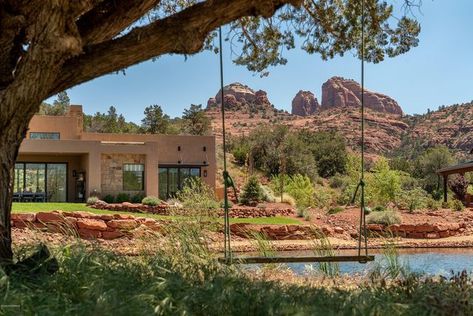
(340,92)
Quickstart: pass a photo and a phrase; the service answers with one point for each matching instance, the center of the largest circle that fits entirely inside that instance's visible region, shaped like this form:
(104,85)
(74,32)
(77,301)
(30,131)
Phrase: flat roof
(459,168)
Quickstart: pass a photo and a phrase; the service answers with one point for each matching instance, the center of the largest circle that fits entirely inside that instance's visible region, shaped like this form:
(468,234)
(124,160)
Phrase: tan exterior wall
(67,126)
(86,152)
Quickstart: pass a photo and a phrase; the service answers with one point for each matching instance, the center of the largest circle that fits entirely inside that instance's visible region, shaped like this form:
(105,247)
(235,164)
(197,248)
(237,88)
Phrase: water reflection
(438,261)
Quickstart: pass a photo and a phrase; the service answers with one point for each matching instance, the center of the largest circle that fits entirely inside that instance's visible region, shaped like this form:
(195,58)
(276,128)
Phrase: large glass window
(44,135)
(40,182)
(172,179)
(19,177)
(35,177)
(133,177)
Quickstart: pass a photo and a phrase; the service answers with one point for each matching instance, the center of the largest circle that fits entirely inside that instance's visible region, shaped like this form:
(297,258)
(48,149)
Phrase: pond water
(421,260)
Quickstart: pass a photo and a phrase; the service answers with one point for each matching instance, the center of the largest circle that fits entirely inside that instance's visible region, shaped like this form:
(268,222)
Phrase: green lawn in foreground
(74,207)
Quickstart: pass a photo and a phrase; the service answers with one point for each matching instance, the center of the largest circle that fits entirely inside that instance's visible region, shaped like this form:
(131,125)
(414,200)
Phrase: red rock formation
(304,103)
(239,97)
(340,92)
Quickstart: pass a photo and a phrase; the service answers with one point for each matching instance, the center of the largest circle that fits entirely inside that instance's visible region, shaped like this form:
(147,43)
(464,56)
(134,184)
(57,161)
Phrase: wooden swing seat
(302,259)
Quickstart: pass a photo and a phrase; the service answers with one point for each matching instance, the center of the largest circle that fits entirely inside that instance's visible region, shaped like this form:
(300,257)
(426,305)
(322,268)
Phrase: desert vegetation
(184,277)
(318,170)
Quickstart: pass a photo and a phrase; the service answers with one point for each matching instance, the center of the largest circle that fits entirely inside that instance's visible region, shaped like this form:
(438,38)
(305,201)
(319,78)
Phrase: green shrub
(267,194)
(379,208)
(252,192)
(241,151)
(137,198)
(432,204)
(302,190)
(429,162)
(324,197)
(413,199)
(387,218)
(123,197)
(437,194)
(279,183)
(335,210)
(222,204)
(469,190)
(300,211)
(151,201)
(92,200)
(457,205)
(307,215)
(286,198)
(109,198)
(383,184)
(338,181)
(198,198)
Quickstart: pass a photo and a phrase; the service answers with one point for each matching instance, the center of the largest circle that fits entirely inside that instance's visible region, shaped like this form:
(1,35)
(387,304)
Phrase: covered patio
(461,168)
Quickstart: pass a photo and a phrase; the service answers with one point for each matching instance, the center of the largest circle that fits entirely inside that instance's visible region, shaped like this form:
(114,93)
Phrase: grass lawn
(74,207)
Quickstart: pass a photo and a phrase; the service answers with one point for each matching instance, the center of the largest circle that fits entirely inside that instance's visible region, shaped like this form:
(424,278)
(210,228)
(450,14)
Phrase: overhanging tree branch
(182,33)
(111,17)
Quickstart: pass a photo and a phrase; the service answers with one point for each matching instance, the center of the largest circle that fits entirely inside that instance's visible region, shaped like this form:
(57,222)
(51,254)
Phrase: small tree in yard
(252,192)
(50,46)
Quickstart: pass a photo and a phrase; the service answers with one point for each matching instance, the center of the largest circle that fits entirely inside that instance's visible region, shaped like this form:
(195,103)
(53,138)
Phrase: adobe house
(58,161)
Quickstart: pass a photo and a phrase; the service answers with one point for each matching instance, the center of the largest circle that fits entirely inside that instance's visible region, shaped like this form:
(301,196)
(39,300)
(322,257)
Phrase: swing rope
(361,185)
(228,181)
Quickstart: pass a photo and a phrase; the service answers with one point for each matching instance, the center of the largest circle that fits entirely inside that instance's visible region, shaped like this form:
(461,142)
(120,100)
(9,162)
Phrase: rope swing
(228,182)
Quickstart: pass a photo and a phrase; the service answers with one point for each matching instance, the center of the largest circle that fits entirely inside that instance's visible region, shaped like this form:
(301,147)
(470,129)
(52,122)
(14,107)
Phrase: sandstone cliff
(340,92)
(239,97)
(304,104)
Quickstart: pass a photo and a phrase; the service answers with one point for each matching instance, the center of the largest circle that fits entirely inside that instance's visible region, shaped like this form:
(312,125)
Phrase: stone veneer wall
(112,172)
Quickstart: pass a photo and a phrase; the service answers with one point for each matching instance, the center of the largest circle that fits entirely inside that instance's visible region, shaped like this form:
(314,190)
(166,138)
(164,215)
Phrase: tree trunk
(10,140)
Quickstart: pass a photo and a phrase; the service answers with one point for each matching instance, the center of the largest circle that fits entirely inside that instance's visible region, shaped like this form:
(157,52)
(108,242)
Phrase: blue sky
(438,72)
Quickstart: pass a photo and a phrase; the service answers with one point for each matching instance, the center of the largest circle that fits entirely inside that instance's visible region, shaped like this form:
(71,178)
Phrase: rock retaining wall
(250,212)
(164,209)
(280,232)
(86,225)
(425,230)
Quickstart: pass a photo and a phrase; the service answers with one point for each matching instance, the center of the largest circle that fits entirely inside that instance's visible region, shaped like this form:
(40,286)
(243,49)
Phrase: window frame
(142,176)
(45,133)
(179,173)
(46,163)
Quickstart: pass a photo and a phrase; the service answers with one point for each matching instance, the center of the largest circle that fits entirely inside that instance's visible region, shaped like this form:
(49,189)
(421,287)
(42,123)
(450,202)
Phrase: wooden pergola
(461,168)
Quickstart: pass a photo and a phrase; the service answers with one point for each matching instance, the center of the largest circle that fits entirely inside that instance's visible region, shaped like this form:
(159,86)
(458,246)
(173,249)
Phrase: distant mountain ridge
(387,128)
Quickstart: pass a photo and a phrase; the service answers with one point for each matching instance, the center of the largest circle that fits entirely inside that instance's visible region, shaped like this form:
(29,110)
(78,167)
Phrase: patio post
(445,187)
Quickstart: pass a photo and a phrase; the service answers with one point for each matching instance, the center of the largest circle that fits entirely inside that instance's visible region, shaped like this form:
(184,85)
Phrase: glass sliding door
(184,174)
(35,177)
(19,182)
(172,179)
(56,182)
(40,182)
(163,183)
